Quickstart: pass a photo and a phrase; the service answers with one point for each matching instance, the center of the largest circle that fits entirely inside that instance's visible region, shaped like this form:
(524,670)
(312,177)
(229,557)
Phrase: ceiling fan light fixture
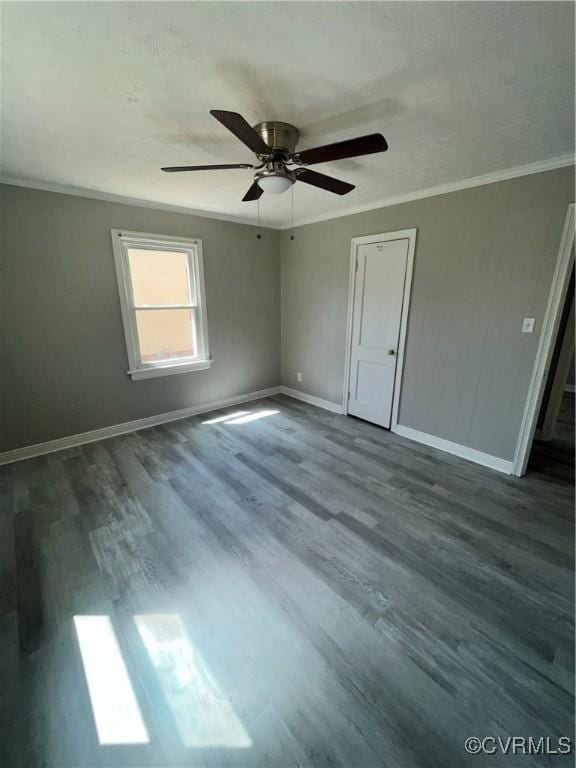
(275,182)
(274,144)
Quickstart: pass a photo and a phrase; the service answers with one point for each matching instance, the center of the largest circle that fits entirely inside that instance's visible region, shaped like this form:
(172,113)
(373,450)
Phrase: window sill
(169,369)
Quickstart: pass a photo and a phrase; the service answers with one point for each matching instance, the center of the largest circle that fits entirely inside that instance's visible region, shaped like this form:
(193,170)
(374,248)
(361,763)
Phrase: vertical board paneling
(484,260)
(64,358)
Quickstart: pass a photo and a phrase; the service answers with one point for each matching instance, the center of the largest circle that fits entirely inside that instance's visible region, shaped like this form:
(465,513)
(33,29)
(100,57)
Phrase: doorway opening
(545,400)
(552,451)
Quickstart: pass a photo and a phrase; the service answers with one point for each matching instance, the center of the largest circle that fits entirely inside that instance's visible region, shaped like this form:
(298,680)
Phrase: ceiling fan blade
(329,183)
(242,130)
(363,145)
(253,193)
(179,168)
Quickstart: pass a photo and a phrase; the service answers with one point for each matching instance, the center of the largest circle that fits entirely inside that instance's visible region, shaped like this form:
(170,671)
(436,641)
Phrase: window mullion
(140,307)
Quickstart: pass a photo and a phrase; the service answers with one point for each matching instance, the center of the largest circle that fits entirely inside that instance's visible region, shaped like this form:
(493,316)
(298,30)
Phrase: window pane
(166,334)
(159,277)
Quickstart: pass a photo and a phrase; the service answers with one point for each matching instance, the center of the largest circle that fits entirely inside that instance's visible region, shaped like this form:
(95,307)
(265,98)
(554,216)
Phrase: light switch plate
(528,325)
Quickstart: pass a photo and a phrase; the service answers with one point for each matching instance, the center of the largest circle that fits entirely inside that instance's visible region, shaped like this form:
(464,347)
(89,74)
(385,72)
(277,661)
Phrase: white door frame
(559,376)
(402,234)
(550,324)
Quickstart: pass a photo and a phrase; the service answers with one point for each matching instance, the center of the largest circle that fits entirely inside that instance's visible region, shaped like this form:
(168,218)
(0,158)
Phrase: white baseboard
(51,446)
(570,388)
(501,465)
(487,460)
(312,399)
(29,451)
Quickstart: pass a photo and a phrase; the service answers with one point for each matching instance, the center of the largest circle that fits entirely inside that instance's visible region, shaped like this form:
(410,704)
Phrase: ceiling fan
(274,144)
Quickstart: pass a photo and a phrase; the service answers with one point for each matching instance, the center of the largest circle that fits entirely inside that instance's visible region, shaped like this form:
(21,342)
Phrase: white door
(377,310)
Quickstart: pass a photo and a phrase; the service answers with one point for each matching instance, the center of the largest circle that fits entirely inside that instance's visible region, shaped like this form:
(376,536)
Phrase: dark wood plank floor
(299,589)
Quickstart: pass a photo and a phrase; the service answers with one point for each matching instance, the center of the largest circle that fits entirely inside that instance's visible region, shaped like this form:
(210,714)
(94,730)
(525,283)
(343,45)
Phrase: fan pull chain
(292,213)
(258,208)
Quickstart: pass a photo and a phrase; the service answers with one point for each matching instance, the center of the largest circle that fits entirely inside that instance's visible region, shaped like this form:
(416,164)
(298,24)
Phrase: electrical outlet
(299,376)
(528,325)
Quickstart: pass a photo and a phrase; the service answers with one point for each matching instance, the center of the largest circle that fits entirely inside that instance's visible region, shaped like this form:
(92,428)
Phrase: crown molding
(443,189)
(109,197)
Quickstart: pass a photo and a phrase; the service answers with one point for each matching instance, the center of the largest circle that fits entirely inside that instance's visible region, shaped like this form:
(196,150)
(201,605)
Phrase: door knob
(391,352)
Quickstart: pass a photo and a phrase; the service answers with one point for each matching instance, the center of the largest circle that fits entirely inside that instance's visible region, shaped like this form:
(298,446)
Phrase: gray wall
(64,358)
(484,260)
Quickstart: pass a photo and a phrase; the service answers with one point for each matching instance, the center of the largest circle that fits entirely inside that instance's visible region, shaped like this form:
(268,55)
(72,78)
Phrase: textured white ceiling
(100,95)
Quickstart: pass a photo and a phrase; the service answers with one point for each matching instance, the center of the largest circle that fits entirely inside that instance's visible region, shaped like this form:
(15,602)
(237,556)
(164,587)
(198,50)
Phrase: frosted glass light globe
(275,185)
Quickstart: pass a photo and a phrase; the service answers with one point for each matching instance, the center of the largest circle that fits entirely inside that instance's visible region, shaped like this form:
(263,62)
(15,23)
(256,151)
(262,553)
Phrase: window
(161,284)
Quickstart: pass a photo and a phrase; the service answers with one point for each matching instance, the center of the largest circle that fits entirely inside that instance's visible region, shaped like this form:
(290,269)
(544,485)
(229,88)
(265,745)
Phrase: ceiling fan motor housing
(281,137)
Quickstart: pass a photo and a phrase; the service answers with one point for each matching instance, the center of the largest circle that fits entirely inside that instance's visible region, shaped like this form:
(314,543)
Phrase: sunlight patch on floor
(116,711)
(241,417)
(203,714)
(252,417)
(228,416)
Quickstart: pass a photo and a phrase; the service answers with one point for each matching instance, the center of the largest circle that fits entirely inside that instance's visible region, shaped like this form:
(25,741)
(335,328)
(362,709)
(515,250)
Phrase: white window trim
(121,241)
